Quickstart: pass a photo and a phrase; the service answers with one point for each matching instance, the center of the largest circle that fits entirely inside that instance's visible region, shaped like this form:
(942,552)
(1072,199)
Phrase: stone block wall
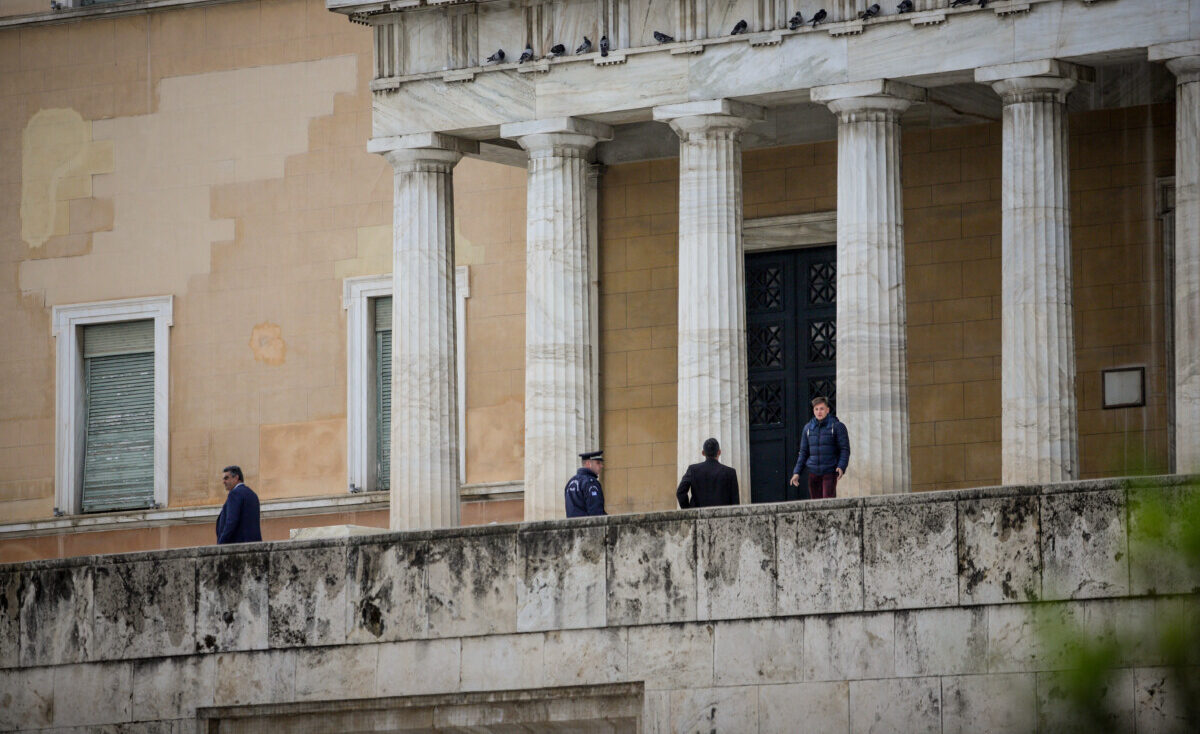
(897,613)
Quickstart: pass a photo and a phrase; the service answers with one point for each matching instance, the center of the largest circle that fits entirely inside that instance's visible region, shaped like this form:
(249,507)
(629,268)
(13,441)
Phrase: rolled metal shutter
(383,391)
(118,463)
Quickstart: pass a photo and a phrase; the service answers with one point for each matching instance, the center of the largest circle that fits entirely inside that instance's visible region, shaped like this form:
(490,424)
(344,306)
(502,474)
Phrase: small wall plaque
(1124,387)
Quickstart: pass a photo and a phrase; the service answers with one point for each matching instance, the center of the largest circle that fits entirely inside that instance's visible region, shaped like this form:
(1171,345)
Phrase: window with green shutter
(383,391)
(118,456)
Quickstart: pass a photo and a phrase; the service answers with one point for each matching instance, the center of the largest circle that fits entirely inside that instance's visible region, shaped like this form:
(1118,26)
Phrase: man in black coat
(710,482)
(239,518)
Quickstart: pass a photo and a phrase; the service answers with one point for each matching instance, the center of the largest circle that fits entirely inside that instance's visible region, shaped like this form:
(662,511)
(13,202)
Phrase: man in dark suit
(238,521)
(710,482)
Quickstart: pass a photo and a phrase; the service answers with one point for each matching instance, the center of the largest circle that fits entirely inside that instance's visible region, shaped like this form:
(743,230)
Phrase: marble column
(1039,432)
(561,343)
(424,470)
(1183,59)
(712,393)
(872,345)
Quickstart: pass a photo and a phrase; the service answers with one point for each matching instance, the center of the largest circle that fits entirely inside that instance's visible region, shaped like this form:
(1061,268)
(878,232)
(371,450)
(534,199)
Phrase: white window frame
(357,293)
(70,392)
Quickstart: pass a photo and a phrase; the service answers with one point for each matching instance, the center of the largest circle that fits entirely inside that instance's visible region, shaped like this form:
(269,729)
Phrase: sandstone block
(231,602)
(307,597)
(472,585)
(758,652)
(901,705)
(335,673)
(909,555)
(714,709)
(651,572)
(562,582)
(585,657)
(26,698)
(735,575)
(266,676)
(1058,714)
(1156,563)
(941,641)
(56,616)
(172,688)
(144,609)
(823,707)
(418,667)
(1013,642)
(998,558)
(671,655)
(820,561)
(1084,545)
(386,593)
(1160,703)
(849,647)
(10,619)
(502,662)
(656,712)
(989,704)
(90,694)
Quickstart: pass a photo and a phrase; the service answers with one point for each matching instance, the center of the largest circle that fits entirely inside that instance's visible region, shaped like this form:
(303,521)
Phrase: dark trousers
(822,486)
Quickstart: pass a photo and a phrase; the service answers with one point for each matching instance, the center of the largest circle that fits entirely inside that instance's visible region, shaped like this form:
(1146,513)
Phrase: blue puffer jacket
(824,446)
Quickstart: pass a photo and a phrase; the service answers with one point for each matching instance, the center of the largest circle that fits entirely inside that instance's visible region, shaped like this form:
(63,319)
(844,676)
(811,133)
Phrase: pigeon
(870,12)
(959,3)
(663,37)
(905,7)
(584,47)
(497,57)
(556,50)
(820,16)
(797,20)
(739,27)
(604,45)
(527,55)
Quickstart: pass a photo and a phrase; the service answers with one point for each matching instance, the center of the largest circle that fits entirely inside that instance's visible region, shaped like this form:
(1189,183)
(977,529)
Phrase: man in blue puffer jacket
(825,450)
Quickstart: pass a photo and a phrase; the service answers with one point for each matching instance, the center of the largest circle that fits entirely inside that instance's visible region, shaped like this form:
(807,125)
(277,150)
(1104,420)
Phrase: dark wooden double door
(791,339)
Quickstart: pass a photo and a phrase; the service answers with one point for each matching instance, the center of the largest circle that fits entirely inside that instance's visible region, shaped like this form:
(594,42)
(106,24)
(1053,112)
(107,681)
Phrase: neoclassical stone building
(443,89)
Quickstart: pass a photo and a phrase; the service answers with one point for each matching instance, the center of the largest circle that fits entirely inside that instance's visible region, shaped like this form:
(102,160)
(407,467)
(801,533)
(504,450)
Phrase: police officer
(584,495)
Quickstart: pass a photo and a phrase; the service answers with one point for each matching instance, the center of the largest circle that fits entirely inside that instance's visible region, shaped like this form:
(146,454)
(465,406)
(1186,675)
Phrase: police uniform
(583,492)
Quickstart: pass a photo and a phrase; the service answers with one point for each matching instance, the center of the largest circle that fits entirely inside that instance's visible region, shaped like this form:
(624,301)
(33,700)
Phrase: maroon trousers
(822,486)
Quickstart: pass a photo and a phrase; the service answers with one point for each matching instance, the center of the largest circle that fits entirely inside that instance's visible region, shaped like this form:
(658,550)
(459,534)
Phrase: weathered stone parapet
(744,612)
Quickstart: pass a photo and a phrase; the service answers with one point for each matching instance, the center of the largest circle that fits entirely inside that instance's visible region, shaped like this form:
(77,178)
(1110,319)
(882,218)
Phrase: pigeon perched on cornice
(739,27)
(556,50)
(983,3)
(797,20)
(527,55)
(584,47)
(497,57)
(604,45)
(905,7)
(663,37)
(870,12)
(819,17)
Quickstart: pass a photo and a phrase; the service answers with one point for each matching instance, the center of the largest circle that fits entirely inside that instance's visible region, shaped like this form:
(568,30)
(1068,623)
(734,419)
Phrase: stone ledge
(106,10)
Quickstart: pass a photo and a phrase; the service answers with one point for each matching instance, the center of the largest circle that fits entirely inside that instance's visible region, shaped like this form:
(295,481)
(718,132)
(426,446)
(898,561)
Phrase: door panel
(791,339)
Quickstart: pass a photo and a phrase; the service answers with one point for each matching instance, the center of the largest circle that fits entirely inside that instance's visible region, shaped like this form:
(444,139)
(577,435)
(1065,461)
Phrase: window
(112,372)
(368,302)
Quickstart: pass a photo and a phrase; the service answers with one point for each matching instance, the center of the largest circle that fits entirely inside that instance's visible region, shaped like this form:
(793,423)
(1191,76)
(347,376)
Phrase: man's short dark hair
(820,400)
(711,447)
(235,470)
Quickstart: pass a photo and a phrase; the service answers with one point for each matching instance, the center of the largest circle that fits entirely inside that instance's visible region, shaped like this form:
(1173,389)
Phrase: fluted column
(712,393)
(1183,59)
(872,346)
(1039,432)
(424,469)
(560,339)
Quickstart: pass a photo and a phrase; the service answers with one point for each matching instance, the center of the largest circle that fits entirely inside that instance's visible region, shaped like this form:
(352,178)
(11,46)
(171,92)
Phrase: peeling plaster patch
(374,255)
(301,459)
(266,341)
(58,160)
(211,129)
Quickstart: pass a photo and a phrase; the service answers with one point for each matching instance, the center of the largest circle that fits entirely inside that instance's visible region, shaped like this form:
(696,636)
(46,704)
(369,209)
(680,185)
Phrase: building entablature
(436,53)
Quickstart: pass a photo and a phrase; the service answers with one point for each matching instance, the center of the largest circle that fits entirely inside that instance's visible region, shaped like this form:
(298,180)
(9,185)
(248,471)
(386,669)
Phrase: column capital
(1016,82)
(688,118)
(884,95)
(559,135)
(1183,59)
(407,152)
